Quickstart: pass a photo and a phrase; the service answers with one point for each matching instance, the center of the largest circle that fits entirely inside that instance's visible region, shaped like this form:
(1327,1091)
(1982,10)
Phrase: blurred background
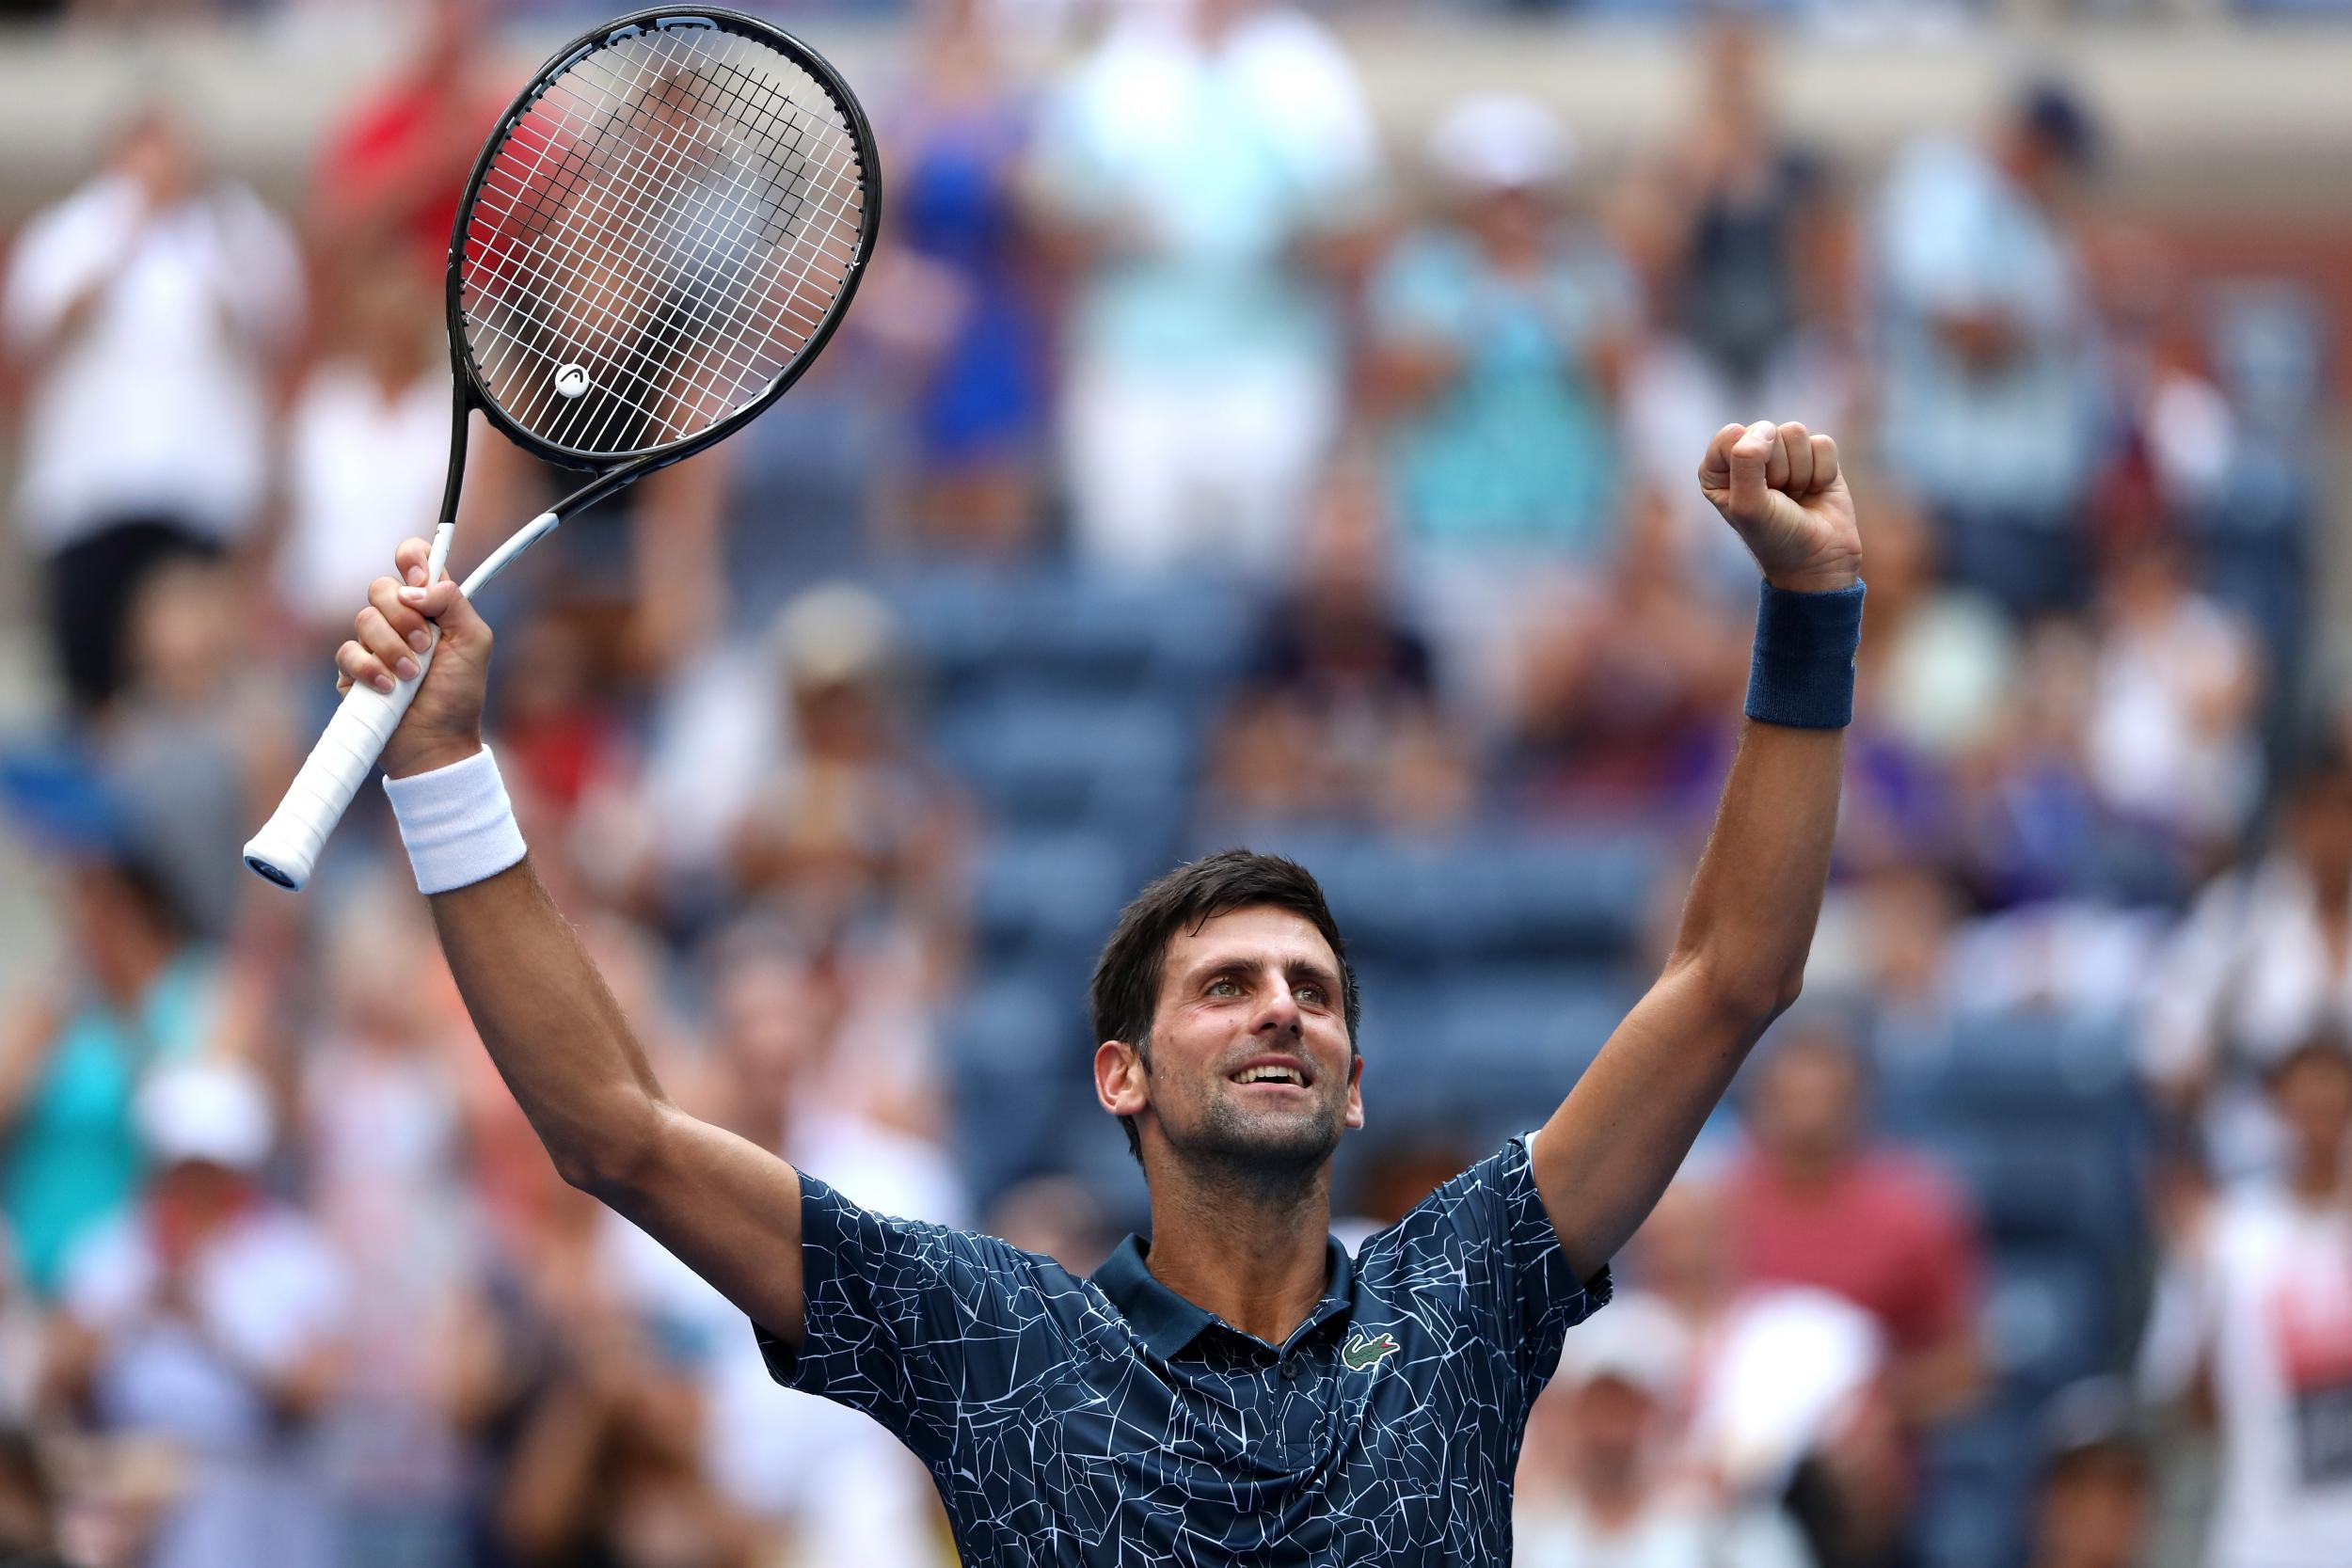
(1264,425)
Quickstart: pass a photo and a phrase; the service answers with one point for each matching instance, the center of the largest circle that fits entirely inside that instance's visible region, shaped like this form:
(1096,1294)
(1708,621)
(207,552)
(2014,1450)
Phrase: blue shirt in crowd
(1107,1420)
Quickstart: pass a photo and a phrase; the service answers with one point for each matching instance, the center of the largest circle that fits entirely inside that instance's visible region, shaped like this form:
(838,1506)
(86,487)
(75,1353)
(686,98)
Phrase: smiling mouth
(1270,1077)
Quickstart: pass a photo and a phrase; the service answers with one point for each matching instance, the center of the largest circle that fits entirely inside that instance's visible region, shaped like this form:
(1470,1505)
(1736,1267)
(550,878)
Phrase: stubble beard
(1266,1159)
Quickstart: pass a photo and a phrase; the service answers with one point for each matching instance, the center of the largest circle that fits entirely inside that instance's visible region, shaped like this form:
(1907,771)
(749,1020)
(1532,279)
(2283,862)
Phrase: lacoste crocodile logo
(1362,1354)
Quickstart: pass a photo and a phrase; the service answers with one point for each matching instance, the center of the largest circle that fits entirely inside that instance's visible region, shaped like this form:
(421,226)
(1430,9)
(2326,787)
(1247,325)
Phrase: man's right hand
(444,723)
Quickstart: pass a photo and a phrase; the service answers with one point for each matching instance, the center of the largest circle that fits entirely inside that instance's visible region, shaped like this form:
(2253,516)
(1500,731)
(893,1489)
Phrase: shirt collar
(1167,1322)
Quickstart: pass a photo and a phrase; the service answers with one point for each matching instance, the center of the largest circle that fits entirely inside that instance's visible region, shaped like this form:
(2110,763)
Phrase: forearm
(554,1032)
(1754,902)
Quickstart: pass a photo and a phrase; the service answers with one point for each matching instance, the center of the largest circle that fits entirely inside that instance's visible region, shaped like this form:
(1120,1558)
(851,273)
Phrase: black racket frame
(614,470)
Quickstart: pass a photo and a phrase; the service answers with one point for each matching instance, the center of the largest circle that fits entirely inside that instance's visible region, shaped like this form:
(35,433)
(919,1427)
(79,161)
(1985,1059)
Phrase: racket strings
(675,172)
(657,238)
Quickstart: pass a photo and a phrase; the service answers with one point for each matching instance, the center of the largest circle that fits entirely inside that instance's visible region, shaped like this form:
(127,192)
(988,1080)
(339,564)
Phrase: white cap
(1636,1341)
(1500,141)
(833,634)
(206,1111)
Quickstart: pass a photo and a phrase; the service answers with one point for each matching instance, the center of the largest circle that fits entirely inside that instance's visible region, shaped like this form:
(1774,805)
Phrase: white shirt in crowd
(363,472)
(2265,1298)
(264,1296)
(1678,1530)
(851,1493)
(1204,375)
(158,406)
(2247,981)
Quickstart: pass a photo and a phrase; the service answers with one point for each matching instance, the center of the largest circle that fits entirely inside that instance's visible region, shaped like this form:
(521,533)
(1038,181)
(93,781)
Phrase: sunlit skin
(1240,1173)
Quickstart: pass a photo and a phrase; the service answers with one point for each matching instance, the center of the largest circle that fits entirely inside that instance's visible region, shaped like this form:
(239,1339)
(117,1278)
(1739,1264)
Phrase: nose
(1280,1014)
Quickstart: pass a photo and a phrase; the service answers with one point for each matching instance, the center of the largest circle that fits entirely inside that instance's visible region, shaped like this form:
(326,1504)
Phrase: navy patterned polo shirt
(1107,1420)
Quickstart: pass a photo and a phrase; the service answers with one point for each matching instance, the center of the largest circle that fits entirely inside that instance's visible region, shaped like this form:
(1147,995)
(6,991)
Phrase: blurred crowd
(1198,465)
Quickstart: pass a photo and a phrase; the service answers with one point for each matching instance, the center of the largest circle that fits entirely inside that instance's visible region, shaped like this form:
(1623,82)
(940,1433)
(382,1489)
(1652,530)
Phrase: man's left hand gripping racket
(662,233)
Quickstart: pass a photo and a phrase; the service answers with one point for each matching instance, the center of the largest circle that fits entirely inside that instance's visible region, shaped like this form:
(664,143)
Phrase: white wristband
(457,823)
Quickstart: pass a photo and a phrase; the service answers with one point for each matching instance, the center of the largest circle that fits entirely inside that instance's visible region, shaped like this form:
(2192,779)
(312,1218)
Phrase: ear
(1355,1089)
(1121,1078)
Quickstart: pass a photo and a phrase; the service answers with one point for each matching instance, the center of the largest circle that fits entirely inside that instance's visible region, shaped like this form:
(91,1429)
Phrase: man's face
(1249,1065)
(1807,1108)
(2312,1095)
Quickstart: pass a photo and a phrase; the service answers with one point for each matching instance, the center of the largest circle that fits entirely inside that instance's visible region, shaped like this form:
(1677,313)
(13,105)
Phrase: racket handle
(287,847)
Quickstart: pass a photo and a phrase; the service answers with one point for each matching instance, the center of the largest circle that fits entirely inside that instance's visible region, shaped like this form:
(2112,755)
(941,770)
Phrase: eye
(1313,995)
(1224,988)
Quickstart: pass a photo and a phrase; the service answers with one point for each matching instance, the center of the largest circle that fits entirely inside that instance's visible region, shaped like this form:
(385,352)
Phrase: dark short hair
(2327,1043)
(2056,115)
(1124,994)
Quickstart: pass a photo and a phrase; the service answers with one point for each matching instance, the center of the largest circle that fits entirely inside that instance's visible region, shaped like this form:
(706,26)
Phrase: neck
(1811,1169)
(1252,1252)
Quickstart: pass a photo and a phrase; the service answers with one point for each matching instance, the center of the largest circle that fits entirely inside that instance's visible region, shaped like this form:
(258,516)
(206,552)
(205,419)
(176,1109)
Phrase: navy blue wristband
(1803,672)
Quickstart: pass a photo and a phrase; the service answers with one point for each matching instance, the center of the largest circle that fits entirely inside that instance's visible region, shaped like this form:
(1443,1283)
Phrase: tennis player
(1238,1389)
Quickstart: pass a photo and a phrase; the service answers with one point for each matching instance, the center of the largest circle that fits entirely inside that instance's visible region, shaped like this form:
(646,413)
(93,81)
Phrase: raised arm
(729,1209)
(1609,1151)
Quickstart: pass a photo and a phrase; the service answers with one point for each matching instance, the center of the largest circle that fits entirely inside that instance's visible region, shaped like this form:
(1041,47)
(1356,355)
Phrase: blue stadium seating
(2048,1319)
(1046,898)
(1970,1512)
(1487,896)
(1013,1046)
(1073,632)
(1039,761)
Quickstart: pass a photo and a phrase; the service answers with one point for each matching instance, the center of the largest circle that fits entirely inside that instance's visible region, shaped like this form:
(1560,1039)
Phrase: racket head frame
(614,470)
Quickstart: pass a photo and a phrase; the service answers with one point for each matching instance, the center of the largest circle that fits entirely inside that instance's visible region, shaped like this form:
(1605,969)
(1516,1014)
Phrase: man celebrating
(1239,1389)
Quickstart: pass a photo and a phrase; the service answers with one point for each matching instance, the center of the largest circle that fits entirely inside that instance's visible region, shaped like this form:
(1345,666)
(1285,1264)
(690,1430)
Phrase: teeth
(1270,1075)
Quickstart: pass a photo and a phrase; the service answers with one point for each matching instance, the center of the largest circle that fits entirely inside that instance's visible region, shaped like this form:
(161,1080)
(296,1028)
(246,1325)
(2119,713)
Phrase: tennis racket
(659,236)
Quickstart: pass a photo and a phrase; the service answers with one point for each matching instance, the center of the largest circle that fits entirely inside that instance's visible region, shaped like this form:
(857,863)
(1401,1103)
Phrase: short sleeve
(1487,1233)
(919,1326)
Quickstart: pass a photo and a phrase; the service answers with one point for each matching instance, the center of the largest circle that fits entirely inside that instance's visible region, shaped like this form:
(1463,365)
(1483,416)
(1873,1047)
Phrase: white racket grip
(287,849)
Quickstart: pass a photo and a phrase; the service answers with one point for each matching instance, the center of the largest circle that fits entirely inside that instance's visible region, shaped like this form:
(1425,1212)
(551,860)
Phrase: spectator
(2171,744)
(606,1466)
(1935,679)
(209,1316)
(146,312)
(382,1121)
(1190,162)
(196,744)
(2031,827)
(1621,684)
(134,993)
(2254,1320)
(1940,658)
(1599,1491)
(1340,686)
(1740,241)
(1495,346)
(784,1072)
(392,173)
(2094,1499)
(1988,343)
(2264,959)
(1786,1397)
(1813,1201)
(966,270)
(857,832)
(367,445)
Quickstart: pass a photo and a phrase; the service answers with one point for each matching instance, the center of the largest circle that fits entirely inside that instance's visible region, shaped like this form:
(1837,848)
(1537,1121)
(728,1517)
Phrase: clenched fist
(1779,487)
(405,619)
